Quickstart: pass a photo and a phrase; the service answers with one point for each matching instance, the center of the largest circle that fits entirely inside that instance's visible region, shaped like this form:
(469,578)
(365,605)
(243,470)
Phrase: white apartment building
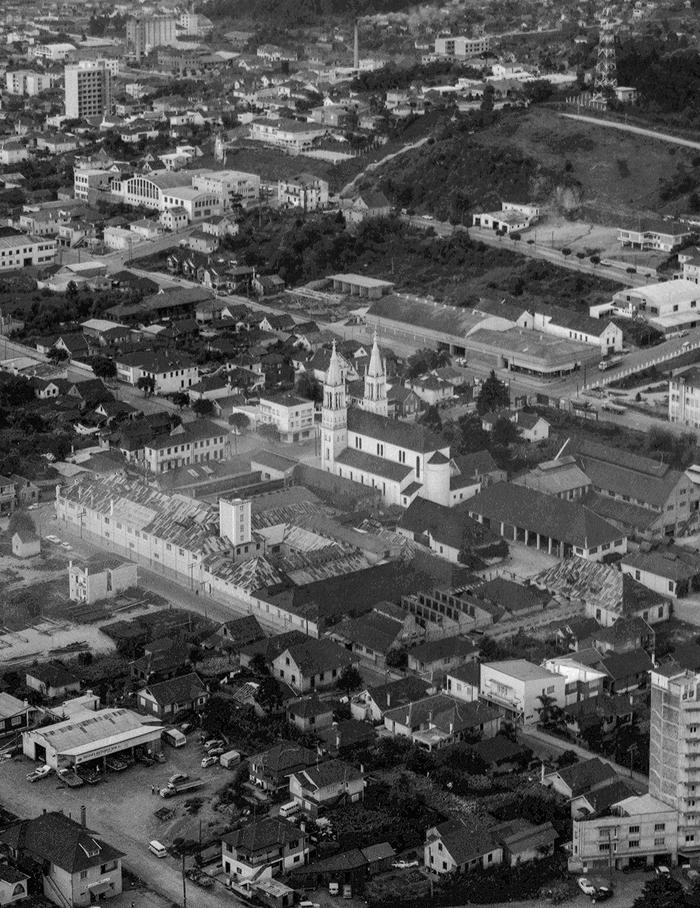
(663,236)
(460,46)
(53,52)
(516,685)
(229,186)
(304,191)
(292,416)
(88,90)
(27,82)
(188,443)
(674,749)
(684,398)
(22,250)
(641,830)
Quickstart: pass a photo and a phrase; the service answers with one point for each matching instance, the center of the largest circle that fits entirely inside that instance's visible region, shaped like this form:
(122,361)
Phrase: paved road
(115,261)
(537,250)
(637,130)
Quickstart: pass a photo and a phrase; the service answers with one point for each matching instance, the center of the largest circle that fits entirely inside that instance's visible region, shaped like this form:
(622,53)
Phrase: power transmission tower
(606,66)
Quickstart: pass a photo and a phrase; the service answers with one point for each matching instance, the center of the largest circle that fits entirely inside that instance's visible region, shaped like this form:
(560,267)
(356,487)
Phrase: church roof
(376,366)
(392,431)
(333,375)
(370,463)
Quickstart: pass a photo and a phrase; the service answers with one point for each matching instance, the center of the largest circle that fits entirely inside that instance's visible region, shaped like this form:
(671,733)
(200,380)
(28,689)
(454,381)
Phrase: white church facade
(363,444)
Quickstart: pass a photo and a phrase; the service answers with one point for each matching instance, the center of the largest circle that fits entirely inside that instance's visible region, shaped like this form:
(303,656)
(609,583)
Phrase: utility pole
(184,883)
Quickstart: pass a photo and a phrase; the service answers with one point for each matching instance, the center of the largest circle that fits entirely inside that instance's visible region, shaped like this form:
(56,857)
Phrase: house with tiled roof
(309,714)
(669,570)
(269,648)
(580,778)
(270,770)
(438,720)
(446,531)
(524,841)
(346,735)
(168,698)
(627,634)
(373,702)
(14,885)
(326,785)
(263,849)
(52,680)
(236,633)
(312,664)
(433,658)
(77,867)
(455,847)
(373,636)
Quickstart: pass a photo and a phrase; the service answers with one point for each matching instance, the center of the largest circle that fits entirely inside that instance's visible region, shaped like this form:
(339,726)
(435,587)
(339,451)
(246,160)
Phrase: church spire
(334,375)
(375,398)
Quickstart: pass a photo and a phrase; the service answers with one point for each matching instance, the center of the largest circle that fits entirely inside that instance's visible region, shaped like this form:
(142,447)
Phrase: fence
(608,378)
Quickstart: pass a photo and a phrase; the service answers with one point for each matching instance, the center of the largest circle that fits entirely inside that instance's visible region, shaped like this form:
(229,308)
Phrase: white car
(209,761)
(33,507)
(585,885)
(54,539)
(66,545)
(662,870)
(404,865)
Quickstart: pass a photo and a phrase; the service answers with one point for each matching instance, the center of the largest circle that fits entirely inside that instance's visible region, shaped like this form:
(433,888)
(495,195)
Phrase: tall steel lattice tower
(606,66)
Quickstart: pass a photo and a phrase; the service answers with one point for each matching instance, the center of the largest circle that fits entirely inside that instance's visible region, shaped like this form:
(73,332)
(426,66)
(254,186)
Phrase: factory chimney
(356,48)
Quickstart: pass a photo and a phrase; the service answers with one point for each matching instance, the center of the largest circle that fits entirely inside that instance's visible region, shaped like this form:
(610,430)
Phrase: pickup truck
(39,773)
(180,788)
(69,778)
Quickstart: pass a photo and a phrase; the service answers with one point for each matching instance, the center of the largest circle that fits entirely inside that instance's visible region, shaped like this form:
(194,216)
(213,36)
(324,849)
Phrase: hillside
(536,155)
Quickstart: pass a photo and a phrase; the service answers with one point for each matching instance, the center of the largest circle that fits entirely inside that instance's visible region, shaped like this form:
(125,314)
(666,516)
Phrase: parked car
(585,885)
(115,764)
(54,539)
(209,761)
(39,773)
(662,870)
(216,752)
(213,744)
(602,894)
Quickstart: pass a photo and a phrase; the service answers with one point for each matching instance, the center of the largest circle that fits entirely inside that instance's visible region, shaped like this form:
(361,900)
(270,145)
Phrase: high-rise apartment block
(674,748)
(88,89)
(147,32)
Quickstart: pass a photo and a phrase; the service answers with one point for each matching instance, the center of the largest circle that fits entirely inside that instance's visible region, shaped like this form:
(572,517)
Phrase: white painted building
(293,416)
(100,578)
(516,686)
(21,251)
(229,186)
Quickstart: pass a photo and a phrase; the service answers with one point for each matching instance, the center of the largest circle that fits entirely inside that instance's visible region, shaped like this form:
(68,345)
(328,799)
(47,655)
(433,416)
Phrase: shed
(25,544)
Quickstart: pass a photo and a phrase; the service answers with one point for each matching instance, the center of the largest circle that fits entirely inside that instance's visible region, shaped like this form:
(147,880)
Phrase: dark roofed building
(560,527)
(310,713)
(580,778)
(454,847)
(312,664)
(168,698)
(52,680)
(446,531)
(434,658)
(271,769)
(371,703)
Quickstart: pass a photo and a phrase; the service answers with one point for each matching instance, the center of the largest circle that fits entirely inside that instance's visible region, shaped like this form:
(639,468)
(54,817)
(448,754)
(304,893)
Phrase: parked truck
(609,362)
(230,759)
(172,789)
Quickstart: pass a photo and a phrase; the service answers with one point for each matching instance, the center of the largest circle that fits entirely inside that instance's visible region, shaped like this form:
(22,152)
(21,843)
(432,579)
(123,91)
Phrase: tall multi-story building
(27,82)
(460,46)
(684,398)
(147,32)
(88,89)
(674,749)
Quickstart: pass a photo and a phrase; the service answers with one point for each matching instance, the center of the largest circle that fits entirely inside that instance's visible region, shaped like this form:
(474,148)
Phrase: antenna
(561,450)
(606,66)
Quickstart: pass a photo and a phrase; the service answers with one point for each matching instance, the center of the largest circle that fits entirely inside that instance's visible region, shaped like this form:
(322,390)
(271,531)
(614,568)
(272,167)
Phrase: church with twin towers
(364,444)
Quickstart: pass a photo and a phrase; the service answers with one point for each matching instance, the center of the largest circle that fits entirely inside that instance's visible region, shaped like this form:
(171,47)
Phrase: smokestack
(83,816)
(356,48)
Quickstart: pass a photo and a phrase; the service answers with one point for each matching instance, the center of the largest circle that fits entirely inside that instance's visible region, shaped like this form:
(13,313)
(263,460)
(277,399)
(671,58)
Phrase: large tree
(660,892)
(104,367)
(493,395)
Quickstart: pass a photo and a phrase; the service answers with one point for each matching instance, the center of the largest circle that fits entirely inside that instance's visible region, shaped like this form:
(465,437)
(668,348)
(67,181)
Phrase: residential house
(446,531)
(455,847)
(434,658)
(372,703)
(580,778)
(582,681)
(500,755)
(520,687)
(263,849)
(76,866)
(312,664)
(664,236)
(304,191)
(626,635)
(462,682)
(310,714)
(600,716)
(321,787)
(271,769)
(601,799)
(669,570)
(524,841)
(166,699)
(170,371)
(373,636)
(7,495)
(14,885)
(438,720)
(25,544)
(345,736)
(15,715)
(626,672)
(369,204)
(162,659)
(292,416)
(52,680)
(236,633)
(185,444)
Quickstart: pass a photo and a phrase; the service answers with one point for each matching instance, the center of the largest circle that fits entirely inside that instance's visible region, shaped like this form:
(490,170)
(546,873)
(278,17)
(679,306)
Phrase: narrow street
(637,130)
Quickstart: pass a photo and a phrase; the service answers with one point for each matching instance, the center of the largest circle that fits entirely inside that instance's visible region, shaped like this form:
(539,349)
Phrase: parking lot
(121,809)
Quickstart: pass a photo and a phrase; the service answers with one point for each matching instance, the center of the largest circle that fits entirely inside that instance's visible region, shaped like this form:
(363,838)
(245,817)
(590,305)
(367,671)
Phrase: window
(83,874)
(659,827)
(633,843)
(604,846)
(633,829)
(690,838)
(659,841)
